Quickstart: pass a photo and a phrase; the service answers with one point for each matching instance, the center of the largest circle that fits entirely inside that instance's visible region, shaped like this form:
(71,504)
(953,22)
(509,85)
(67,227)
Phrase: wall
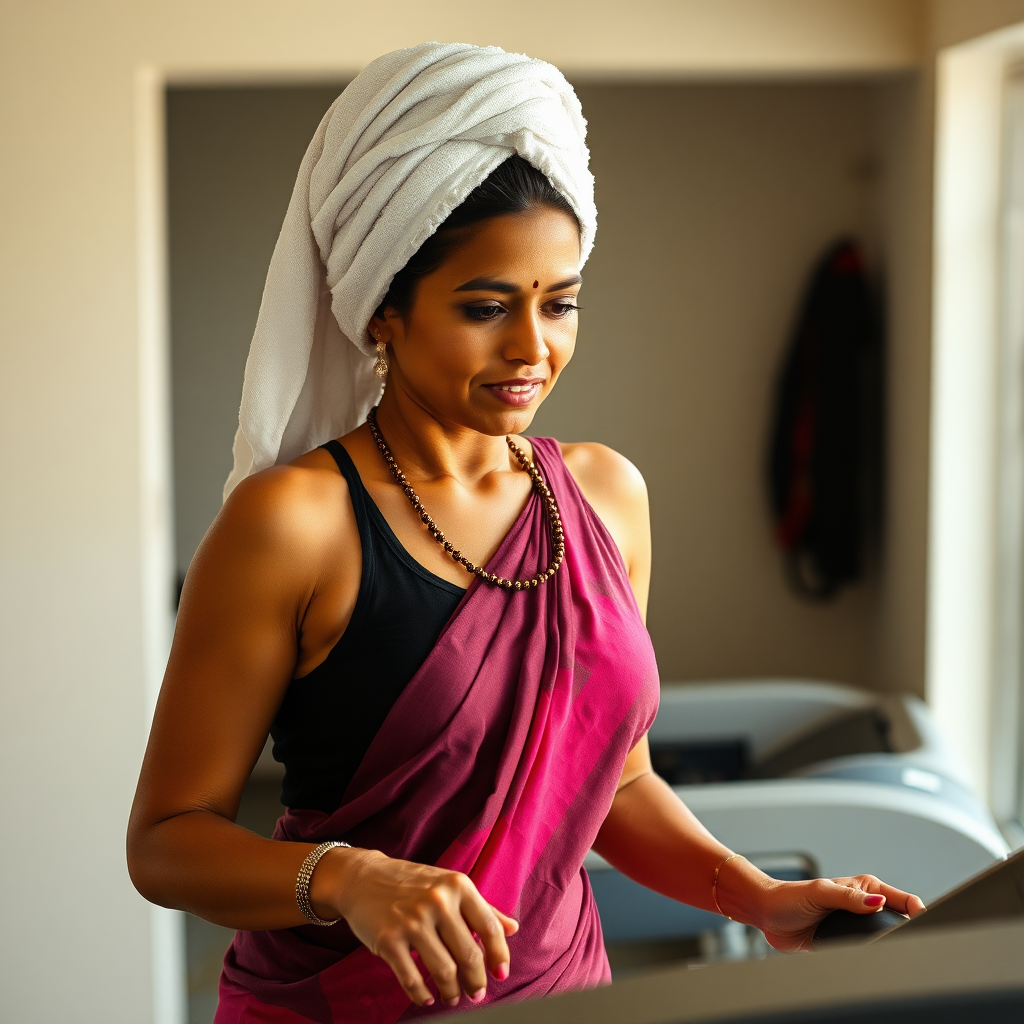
(902,137)
(85,508)
(956,21)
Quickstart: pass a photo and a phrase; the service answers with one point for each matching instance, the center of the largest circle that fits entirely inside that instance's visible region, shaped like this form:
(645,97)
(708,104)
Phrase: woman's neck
(429,447)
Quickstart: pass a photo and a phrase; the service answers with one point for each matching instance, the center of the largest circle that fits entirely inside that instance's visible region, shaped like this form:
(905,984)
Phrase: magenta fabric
(500,759)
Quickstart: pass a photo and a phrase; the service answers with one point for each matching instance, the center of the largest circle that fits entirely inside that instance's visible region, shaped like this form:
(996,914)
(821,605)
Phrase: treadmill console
(997,892)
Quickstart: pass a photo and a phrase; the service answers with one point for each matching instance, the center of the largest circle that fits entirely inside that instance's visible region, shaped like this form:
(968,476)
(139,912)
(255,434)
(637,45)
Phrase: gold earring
(381,366)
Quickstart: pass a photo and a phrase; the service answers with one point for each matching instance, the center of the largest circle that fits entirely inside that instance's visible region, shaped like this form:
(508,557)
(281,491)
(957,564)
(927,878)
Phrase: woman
(461,714)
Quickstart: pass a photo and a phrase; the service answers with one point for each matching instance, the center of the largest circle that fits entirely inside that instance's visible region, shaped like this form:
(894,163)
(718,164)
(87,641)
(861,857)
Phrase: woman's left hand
(789,912)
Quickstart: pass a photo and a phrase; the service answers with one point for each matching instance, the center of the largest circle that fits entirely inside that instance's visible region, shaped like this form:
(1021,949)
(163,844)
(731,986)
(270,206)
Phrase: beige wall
(83,513)
(956,21)
(902,132)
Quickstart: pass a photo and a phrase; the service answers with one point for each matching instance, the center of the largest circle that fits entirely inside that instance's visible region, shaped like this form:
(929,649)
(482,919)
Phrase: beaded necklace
(550,508)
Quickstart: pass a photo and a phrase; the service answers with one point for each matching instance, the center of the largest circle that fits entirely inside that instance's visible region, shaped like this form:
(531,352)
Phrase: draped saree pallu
(500,759)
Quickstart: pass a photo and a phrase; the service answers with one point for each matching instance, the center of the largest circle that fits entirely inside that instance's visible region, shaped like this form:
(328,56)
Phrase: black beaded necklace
(550,507)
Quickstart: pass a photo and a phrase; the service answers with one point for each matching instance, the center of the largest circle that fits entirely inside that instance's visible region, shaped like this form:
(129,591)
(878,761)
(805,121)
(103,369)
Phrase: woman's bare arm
(234,653)
(269,592)
(652,837)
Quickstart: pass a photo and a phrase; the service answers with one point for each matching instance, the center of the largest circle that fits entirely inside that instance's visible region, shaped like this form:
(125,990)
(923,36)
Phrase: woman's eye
(561,309)
(489,312)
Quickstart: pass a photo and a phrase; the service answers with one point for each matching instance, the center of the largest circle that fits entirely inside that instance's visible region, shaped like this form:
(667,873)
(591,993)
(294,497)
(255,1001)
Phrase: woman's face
(490,330)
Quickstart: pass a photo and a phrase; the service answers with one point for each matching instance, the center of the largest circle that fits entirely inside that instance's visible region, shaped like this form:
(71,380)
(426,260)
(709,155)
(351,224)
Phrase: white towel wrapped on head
(408,140)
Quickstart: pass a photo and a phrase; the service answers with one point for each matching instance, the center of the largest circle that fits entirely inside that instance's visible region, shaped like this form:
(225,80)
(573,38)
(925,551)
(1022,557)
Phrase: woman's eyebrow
(490,284)
(567,283)
(487,284)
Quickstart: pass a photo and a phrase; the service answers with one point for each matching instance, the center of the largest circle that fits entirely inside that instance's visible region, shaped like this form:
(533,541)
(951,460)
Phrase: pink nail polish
(429,1001)
(501,972)
(454,1001)
(873,901)
(478,995)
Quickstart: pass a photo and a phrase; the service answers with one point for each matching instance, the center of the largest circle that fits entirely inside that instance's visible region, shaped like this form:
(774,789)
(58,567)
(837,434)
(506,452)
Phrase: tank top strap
(357,492)
(329,717)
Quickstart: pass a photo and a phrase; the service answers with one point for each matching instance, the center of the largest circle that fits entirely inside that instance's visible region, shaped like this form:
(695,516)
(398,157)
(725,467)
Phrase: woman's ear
(380,329)
(385,323)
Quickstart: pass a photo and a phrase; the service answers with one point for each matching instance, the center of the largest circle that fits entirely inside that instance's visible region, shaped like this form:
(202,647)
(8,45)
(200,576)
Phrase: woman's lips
(515,393)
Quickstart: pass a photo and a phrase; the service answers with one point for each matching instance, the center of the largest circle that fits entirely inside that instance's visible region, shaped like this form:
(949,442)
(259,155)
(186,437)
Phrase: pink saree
(500,759)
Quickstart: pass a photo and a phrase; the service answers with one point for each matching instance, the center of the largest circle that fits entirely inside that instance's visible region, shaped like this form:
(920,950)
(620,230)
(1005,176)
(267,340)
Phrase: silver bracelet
(302,883)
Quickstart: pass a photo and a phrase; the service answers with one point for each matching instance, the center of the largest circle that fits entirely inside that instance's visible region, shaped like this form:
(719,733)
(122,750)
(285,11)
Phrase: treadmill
(959,962)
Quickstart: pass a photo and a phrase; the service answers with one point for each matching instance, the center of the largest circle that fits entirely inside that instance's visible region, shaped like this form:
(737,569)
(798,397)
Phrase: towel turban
(413,134)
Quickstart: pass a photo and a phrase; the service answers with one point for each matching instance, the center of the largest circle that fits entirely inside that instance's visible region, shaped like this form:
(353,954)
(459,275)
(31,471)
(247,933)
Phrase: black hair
(514,186)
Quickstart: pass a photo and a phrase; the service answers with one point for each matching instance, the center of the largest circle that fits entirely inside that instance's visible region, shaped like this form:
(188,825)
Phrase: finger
(438,962)
(895,899)
(489,924)
(900,901)
(847,894)
(510,924)
(467,954)
(396,955)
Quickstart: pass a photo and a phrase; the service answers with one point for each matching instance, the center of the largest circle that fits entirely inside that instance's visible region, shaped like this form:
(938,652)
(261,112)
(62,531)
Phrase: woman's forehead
(539,245)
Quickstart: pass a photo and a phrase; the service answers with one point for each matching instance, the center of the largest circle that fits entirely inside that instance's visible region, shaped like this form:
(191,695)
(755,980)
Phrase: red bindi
(535,283)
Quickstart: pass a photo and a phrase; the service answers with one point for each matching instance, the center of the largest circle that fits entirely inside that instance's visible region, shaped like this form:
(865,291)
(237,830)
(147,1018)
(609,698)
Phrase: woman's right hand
(395,906)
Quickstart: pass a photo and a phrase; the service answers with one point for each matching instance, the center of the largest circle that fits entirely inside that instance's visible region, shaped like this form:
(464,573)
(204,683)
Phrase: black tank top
(329,717)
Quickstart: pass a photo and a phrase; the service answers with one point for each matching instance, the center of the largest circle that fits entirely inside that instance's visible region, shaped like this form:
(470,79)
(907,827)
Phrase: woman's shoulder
(615,489)
(604,472)
(288,506)
(283,538)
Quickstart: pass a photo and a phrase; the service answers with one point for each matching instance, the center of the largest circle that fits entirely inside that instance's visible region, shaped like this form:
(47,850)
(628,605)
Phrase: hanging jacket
(820,465)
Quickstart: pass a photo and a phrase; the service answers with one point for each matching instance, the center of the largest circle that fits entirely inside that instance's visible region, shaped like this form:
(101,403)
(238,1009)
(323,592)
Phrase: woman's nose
(525,341)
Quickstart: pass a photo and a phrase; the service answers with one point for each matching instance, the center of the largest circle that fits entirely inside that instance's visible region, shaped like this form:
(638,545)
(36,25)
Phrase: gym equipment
(807,779)
(961,974)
